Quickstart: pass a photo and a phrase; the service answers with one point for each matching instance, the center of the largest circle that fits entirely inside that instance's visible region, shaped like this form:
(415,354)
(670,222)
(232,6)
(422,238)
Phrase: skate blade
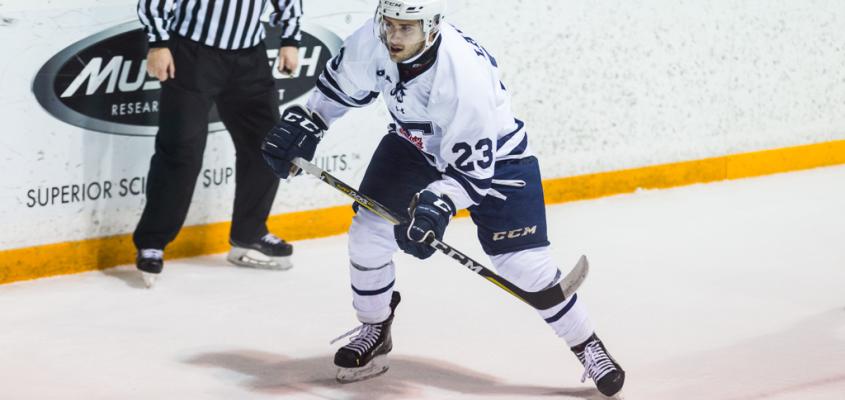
(149,279)
(376,367)
(255,259)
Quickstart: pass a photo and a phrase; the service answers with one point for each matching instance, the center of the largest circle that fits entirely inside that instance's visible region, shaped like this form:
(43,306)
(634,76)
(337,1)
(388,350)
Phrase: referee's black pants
(241,84)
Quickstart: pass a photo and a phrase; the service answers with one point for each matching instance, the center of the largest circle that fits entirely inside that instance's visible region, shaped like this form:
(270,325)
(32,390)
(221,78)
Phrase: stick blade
(575,277)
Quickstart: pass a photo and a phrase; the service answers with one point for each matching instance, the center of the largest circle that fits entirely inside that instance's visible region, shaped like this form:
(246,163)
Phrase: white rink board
(602,85)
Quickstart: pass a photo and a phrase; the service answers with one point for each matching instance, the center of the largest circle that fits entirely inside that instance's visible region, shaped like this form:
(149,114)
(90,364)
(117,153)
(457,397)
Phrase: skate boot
(269,252)
(366,354)
(150,262)
(600,366)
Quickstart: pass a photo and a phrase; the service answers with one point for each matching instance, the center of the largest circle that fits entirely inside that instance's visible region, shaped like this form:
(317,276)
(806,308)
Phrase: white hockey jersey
(457,113)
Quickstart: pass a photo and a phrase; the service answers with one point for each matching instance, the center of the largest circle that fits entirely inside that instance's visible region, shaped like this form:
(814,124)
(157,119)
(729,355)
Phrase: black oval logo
(100,83)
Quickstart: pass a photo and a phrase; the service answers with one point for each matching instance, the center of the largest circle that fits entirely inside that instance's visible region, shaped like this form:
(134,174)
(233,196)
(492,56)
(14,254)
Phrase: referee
(208,52)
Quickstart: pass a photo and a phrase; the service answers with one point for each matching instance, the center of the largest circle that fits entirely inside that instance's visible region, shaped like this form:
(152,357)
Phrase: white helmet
(430,12)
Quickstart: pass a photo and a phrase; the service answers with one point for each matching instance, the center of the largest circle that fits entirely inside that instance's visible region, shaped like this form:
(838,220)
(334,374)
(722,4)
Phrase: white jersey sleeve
(463,104)
(348,80)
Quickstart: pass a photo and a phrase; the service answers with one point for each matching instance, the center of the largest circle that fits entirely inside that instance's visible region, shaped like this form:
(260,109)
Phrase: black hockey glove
(430,214)
(295,135)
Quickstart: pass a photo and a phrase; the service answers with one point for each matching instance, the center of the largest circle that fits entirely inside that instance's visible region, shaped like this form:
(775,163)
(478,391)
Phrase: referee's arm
(286,14)
(153,14)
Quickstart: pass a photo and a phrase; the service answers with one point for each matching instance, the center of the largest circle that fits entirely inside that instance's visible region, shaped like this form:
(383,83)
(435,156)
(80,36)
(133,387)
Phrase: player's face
(404,38)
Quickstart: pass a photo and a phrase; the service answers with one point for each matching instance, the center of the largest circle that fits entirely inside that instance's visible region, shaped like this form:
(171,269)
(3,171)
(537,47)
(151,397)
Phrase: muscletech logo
(100,83)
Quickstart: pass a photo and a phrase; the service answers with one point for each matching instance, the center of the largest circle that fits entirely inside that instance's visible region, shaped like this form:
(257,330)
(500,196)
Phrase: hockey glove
(430,214)
(295,135)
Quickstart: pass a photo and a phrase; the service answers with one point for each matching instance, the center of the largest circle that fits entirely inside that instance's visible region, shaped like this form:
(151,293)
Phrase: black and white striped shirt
(224,24)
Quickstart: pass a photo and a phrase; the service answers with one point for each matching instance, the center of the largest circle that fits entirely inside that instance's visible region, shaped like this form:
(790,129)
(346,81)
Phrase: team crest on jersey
(417,141)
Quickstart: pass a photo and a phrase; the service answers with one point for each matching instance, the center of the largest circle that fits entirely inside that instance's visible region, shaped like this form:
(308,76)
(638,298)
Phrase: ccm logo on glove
(295,135)
(304,122)
(430,213)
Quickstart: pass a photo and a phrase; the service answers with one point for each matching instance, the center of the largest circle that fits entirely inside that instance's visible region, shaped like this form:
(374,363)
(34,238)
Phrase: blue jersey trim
(332,95)
(564,310)
(520,148)
(465,181)
(372,292)
(504,139)
(360,102)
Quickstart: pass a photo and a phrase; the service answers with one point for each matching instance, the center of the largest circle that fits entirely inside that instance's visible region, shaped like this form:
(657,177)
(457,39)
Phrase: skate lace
(271,238)
(152,253)
(596,362)
(364,340)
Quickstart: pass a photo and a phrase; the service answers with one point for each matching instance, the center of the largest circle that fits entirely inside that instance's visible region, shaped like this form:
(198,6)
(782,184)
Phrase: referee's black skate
(268,252)
(600,366)
(366,354)
(150,262)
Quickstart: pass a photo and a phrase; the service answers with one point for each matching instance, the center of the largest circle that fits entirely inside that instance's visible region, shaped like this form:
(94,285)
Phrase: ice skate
(269,252)
(150,262)
(600,367)
(366,354)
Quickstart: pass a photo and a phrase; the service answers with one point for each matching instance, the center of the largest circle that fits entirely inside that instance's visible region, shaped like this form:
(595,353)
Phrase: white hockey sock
(569,320)
(371,247)
(371,291)
(533,270)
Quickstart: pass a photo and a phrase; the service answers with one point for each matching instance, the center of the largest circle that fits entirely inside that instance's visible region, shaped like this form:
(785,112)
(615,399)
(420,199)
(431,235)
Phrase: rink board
(615,96)
(73,257)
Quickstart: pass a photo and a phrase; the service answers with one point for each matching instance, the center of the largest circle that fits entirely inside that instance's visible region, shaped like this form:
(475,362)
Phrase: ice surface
(732,290)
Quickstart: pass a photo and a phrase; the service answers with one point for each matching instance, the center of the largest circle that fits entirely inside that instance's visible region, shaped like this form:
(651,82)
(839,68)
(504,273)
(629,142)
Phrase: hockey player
(454,143)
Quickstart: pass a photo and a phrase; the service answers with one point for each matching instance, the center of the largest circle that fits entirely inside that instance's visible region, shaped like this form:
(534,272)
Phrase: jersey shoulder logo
(381,74)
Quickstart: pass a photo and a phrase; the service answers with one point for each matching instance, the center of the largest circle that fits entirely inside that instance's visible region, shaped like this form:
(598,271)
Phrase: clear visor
(407,34)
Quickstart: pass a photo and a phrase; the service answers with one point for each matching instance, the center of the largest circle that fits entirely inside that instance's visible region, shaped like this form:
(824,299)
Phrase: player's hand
(295,135)
(430,214)
(288,59)
(160,63)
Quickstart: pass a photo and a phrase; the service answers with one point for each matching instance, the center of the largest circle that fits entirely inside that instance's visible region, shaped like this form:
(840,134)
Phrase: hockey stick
(541,300)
